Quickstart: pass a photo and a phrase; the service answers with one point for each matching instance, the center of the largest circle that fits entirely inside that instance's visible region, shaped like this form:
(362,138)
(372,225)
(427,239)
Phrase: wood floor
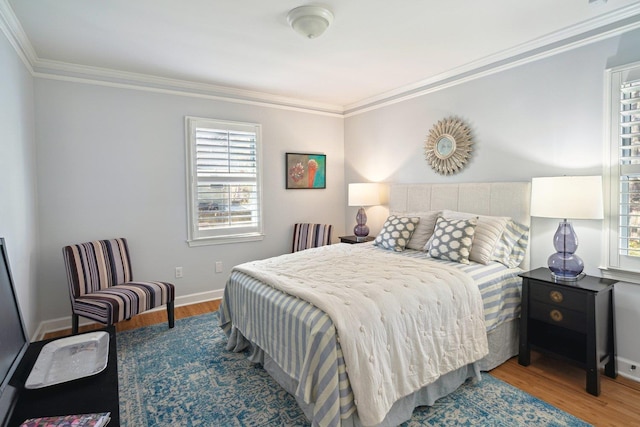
(555,382)
(146,319)
(563,386)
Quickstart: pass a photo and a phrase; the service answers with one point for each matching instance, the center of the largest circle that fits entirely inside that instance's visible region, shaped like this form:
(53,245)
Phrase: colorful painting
(306,170)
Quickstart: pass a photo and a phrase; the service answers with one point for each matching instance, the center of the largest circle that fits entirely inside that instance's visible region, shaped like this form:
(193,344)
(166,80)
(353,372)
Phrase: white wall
(18,206)
(544,118)
(111,162)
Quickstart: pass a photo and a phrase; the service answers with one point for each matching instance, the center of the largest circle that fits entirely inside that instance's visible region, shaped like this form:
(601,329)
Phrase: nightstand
(354,239)
(573,321)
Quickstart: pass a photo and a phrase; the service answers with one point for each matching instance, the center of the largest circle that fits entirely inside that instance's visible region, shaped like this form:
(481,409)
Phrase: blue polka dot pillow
(396,232)
(452,239)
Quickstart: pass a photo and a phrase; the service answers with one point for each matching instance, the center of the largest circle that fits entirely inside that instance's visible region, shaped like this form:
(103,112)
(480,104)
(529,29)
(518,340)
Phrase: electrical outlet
(178,272)
(218,266)
(629,369)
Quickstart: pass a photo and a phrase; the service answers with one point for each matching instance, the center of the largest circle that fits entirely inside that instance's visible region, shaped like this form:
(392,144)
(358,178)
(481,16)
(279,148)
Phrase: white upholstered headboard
(512,199)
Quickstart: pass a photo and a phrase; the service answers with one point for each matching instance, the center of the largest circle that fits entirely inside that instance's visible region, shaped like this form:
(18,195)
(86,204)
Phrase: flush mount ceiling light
(310,21)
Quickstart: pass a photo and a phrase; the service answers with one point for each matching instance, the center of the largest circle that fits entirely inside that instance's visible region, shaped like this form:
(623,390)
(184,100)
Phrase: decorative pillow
(512,246)
(424,230)
(452,239)
(488,233)
(396,232)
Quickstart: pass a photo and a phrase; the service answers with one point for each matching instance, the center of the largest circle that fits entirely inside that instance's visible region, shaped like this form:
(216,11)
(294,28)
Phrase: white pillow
(423,231)
(488,233)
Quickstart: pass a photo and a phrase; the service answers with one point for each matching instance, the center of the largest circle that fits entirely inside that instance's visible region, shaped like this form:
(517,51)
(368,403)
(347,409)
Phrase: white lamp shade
(568,197)
(364,194)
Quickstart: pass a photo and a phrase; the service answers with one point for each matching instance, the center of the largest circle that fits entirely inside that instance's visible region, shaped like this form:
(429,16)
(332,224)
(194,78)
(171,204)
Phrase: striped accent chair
(311,236)
(101,285)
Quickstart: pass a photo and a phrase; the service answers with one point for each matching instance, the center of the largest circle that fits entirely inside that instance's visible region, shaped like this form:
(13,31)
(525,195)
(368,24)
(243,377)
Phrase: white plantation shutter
(629,142)
(224,181)
(624,230)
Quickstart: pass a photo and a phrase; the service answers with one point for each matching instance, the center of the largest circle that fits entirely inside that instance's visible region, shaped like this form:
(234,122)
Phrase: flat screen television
(13,336)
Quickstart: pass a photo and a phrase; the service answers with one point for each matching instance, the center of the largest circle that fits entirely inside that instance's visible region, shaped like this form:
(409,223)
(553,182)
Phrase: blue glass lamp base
(361,230)
(565,264)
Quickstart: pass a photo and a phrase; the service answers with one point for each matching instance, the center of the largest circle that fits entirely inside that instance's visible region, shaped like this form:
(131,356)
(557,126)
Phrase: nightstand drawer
(559,316)
(559,296)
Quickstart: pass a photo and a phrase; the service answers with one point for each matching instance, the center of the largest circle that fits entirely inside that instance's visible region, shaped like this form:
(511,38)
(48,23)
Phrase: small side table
(96,393)
(353,239)
(573,321)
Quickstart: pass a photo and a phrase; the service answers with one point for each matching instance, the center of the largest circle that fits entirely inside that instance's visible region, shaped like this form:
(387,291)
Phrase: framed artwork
(306,170)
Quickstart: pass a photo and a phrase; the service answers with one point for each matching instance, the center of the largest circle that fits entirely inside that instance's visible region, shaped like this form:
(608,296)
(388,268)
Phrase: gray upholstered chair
(101,285)
(311,236)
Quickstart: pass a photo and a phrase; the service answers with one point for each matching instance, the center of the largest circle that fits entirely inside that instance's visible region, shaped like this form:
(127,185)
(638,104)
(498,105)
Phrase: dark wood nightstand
(354,239)
(573,321)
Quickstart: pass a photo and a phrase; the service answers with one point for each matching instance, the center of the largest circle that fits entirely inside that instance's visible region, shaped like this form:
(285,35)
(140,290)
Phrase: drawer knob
(556,296)
(556,315)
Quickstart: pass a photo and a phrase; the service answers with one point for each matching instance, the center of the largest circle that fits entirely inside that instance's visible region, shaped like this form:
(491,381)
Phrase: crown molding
(182,92)
(590,31)
(16,36)
(587,32)
(58,70)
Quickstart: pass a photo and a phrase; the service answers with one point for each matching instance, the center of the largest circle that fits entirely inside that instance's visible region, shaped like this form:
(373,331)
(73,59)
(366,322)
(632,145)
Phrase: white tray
(70,358)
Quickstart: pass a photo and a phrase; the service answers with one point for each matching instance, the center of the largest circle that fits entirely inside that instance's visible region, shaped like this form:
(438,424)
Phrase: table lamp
(567,197)
(363,194)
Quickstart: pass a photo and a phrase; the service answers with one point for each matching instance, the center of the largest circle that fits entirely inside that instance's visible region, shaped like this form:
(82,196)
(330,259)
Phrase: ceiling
(374,49)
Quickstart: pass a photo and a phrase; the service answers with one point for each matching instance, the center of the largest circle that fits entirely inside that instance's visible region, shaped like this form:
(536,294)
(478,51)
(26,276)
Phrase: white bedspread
(401,322)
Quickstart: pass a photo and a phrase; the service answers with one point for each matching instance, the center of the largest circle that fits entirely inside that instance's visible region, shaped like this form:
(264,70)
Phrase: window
(624,168)
(223,181)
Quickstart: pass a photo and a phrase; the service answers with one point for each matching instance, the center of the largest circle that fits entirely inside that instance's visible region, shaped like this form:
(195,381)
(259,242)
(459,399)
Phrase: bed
(363,334)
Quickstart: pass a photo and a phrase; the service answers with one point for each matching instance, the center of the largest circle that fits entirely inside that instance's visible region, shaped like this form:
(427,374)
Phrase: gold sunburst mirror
(448,146)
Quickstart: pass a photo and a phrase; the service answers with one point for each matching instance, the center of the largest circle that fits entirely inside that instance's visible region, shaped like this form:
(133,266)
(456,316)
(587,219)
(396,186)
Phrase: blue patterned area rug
(185,377)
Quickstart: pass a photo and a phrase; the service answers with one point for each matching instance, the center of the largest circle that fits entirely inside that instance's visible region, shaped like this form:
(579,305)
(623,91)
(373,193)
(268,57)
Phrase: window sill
(222,240)
(620,275)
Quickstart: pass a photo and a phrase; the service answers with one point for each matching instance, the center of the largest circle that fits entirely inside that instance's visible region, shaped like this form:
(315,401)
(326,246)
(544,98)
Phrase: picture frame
(305,171)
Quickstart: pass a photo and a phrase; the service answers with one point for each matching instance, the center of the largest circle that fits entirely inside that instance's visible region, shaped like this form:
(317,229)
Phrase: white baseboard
(61,323)
(628,369)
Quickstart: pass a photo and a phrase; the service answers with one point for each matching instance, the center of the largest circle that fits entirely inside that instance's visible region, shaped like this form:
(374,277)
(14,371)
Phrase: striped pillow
(512,246)
(488,232)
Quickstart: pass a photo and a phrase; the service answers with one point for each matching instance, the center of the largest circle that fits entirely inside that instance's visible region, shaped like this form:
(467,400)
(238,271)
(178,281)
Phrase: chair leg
(74,323)
(170,314)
